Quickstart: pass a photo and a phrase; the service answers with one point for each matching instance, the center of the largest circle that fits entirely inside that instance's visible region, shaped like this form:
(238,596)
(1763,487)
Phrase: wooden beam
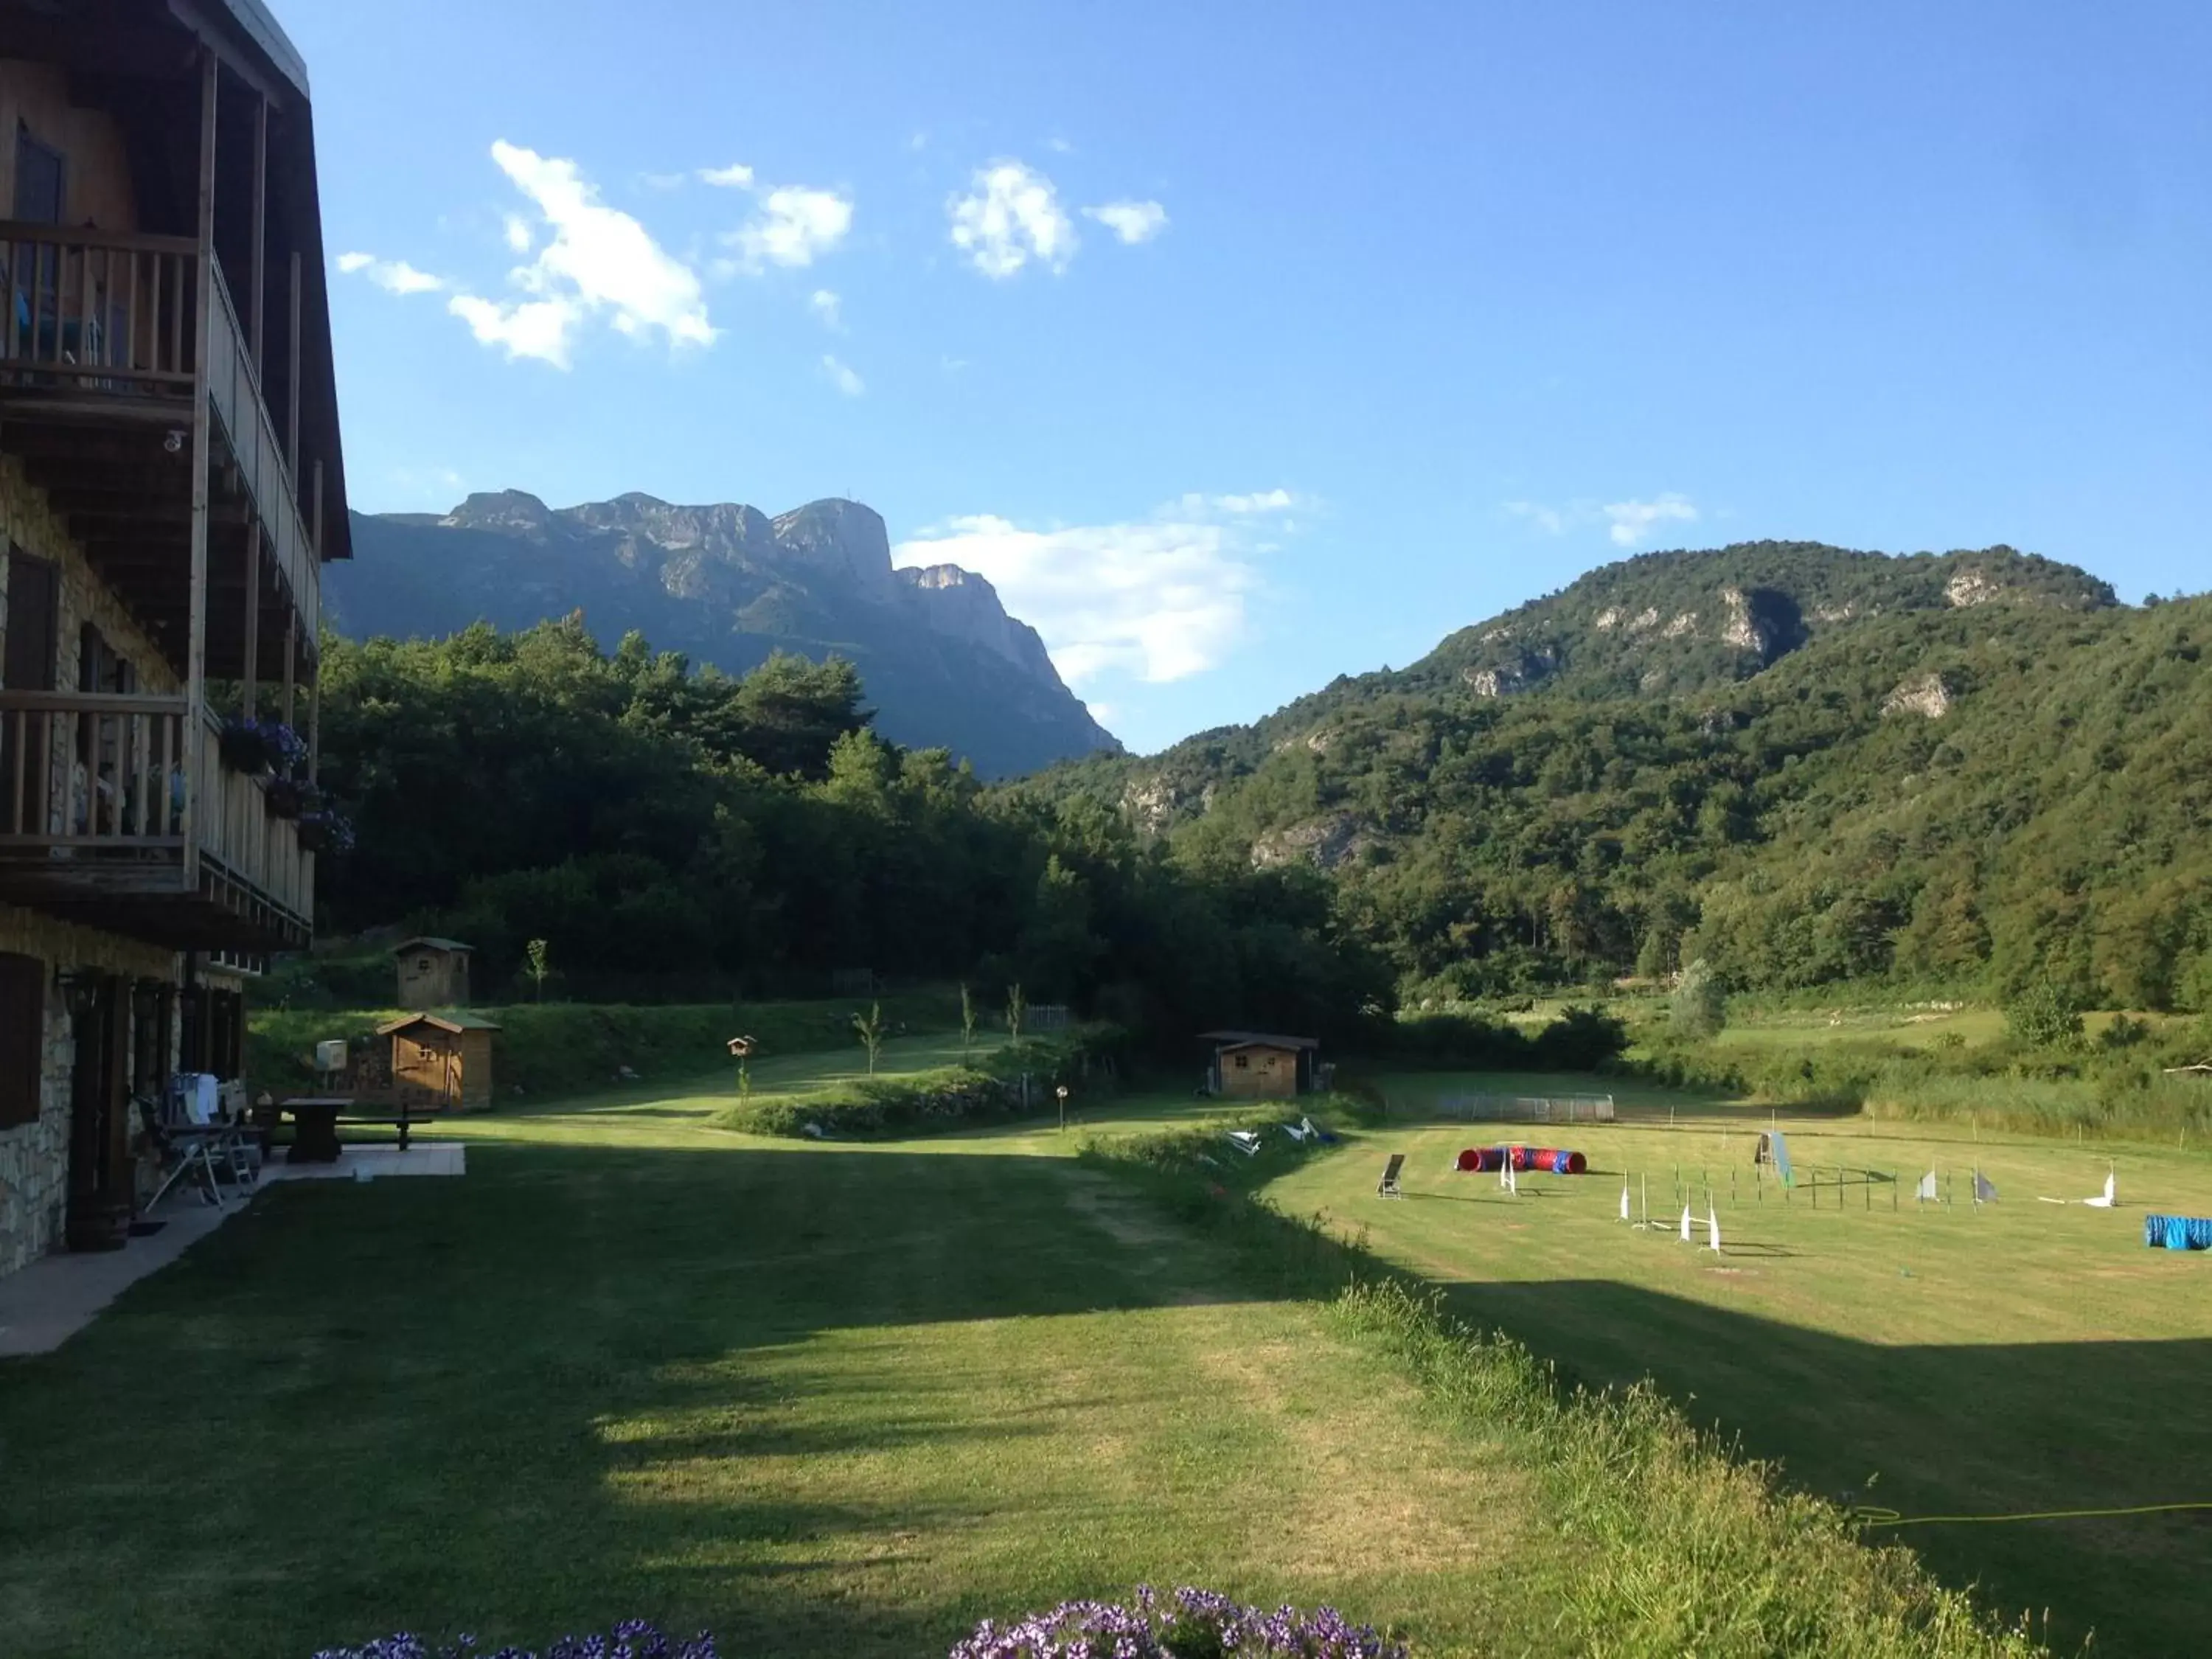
(196,636)
(251,623)
(292,383)
(258,283)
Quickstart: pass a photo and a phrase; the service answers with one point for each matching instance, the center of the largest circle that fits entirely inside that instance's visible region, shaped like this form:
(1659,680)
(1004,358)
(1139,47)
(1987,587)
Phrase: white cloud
(518,235)
(1634,521)
(1059,146)
(842,376)
(531,328)
(828,308)
(1627,523)
(1010,215)
(1161,599)
(1132,221)
(794,225)
(599,262)
(392,276)
(736,176)
(1549,519)
(1267,501)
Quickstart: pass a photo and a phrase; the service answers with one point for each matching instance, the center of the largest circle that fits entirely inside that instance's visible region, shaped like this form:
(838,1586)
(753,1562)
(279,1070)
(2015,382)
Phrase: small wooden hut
(441,1061)
(1261,1065)
(434,972)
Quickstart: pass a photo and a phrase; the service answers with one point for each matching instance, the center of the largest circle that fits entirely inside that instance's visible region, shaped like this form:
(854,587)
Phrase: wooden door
(30,664)
(101,1192)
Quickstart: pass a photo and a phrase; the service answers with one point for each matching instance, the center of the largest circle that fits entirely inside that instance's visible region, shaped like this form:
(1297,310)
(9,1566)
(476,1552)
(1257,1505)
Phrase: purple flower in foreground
(1193,1624)
(633,1639)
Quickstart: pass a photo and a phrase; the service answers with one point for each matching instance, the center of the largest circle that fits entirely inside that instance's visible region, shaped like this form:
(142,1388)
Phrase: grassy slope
(2025,1357)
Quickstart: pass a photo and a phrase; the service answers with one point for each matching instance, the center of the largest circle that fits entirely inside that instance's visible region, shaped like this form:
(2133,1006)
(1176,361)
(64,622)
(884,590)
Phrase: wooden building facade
(171,481)
(434,972)
(442,1062)
(1259,1065)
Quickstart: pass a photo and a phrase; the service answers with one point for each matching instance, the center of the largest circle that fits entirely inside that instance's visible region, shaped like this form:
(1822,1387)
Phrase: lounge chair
(1388,1186)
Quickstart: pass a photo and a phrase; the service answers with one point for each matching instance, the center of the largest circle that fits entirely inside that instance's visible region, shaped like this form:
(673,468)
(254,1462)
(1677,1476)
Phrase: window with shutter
(22,1032)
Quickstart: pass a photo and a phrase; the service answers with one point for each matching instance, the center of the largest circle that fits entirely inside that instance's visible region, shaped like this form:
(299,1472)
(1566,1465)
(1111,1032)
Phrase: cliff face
(943,663)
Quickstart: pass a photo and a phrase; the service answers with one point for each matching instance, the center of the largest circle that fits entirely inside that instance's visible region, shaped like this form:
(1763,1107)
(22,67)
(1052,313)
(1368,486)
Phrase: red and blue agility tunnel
(1550,1160)
(2176,1232)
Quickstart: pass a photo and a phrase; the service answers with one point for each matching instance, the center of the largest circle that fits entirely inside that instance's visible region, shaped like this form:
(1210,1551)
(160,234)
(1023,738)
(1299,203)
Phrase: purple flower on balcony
(255,746)
(326,832)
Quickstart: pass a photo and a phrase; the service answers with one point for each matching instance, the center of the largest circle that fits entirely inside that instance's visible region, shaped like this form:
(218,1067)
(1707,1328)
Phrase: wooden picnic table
(315,1120)
(315,1127)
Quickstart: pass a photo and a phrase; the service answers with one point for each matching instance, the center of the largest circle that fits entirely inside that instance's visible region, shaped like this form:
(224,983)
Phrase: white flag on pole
(1713,1231)
(1624,1198)
(1685,1224)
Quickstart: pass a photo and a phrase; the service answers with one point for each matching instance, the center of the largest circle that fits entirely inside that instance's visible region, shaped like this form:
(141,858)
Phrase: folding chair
(1388,1186)
(184,1150)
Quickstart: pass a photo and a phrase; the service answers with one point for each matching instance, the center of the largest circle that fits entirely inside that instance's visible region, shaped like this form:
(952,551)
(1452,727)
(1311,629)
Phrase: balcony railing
(102,801)
(234,393)
(96,313)
(92,318)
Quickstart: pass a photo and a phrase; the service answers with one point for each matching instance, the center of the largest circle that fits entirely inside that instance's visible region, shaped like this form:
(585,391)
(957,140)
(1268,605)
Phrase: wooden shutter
(22,1034)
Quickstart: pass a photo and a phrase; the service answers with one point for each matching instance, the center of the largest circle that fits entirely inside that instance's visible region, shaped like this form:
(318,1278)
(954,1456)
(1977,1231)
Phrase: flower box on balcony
(254,747)
(325,832)
(289,798)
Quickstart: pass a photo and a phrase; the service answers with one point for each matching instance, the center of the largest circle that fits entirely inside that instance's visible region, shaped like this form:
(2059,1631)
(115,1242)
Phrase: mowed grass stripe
(825,1401)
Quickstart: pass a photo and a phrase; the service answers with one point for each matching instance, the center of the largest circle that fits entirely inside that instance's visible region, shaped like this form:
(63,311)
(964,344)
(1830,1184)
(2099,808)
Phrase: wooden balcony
(112,815)
(101,378)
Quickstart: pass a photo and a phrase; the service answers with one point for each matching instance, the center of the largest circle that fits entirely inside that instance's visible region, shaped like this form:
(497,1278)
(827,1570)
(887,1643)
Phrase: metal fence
(1528,1108)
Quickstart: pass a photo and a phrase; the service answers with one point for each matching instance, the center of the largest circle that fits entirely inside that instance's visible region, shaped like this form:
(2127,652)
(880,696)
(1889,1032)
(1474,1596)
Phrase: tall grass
(1662,1541)
(2087,1091)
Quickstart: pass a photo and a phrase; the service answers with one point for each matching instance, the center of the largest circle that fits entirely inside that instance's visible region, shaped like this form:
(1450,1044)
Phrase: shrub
(2044,1016)
(929,1102)
(1191,1624)
(1699,1006)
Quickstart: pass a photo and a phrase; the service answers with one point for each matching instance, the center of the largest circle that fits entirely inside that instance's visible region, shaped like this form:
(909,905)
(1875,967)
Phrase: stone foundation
(34,1156)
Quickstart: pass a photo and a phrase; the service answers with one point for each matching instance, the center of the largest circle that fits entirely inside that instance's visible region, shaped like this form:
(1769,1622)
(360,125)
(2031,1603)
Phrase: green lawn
(2023,1357)
(824,1400)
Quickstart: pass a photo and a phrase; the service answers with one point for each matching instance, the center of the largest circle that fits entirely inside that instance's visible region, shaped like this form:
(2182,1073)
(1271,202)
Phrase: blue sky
(1247,344)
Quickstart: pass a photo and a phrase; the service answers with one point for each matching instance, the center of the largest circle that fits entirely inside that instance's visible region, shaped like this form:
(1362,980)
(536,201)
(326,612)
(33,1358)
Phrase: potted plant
(291,798)
(326,831)
(255,747)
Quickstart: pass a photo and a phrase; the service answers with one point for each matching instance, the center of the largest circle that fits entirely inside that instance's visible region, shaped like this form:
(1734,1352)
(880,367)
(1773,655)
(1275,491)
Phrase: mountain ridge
(944,663)
(1966,769)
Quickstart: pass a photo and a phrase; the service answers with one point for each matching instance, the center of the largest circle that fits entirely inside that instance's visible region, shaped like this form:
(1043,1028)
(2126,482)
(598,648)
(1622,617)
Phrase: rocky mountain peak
(499,509)
(841,537)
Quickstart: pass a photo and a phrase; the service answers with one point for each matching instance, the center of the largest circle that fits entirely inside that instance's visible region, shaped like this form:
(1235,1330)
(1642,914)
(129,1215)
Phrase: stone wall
(34,1156)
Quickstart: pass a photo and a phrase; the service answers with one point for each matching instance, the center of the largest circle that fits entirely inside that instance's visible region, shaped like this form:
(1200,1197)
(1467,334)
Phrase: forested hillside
(1806,764)
(664,828)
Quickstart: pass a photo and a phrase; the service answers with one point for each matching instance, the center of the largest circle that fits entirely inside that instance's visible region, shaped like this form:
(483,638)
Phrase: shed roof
(1257,1040)
(452,1020)
(435,944)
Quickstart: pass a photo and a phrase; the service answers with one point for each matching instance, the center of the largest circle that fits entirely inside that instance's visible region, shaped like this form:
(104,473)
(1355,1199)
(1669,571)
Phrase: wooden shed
(441,1060)
(434,972)
(1259,1065)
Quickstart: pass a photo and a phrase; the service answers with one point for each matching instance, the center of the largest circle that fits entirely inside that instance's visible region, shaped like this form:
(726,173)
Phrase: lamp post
(1062,1092)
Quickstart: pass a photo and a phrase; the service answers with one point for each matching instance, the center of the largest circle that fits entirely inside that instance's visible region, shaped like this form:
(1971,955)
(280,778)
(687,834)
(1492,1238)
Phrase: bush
(1579,1040)
(929,1103)
(1699,1007)
(2044,1016)
(1191,1624)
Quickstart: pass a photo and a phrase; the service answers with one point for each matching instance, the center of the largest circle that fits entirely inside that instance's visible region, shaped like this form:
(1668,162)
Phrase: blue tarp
(2177,1232)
